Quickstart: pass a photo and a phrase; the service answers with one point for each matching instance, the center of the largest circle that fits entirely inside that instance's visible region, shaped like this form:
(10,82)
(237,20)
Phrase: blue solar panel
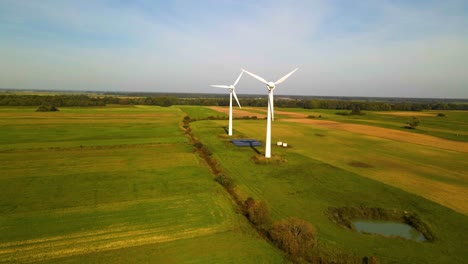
(246,142)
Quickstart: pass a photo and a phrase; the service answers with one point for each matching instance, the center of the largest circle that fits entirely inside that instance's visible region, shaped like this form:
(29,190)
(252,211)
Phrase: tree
(413,122)
(355,109)
(295,236)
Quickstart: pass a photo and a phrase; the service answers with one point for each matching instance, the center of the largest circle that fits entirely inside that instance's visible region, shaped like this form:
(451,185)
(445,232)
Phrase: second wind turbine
(232,90)
(270,86)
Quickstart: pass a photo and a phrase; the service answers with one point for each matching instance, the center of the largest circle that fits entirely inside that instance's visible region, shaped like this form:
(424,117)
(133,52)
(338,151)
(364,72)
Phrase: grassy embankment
(325,168)
(113,184)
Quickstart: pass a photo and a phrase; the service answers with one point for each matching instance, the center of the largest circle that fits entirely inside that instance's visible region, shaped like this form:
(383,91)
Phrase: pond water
(387,228)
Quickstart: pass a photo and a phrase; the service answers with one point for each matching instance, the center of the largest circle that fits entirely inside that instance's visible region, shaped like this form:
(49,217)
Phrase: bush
(342,113)
(356,110)
(370,260)
(225,181)
(413,122)
(256,212)
(47,108)
(441,114)
(295,236)
(206,151)
(414,221)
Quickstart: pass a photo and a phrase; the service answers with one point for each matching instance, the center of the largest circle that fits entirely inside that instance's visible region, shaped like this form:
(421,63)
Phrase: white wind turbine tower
(270,86)
(232,90)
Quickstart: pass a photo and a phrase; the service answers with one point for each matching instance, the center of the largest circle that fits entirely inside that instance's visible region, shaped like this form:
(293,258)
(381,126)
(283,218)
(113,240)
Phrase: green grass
(219,248)
(114,185)
(318,175)
(123,184)
(75,127)
(197,112)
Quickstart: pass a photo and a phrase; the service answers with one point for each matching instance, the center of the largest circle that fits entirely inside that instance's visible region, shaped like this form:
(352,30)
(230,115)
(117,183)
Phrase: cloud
(375,48)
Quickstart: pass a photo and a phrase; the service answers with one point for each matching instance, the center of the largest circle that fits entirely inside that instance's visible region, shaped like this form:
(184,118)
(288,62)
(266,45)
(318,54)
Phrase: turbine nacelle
(271,85)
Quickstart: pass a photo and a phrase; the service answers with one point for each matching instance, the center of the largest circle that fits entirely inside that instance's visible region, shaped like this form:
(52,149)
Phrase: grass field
(321,172)
(123,184)
(453,126)
(110,185)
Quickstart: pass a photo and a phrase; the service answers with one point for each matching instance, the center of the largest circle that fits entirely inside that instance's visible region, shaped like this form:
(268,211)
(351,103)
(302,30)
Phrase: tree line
(337,104)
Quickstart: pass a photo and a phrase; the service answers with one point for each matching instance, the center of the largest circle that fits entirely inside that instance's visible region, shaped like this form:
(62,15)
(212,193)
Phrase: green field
(114,185)
(319,174)
(124,184)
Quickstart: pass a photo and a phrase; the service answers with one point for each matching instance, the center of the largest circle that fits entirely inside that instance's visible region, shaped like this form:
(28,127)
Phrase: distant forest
(339,103)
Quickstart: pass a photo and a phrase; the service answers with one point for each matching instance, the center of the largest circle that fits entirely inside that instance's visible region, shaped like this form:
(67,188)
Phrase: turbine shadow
(254,148)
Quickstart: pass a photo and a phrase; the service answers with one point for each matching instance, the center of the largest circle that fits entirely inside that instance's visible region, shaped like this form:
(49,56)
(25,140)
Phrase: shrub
(206,151)
(370,260)
(342,113)
(256,212)
(441,114)
(46,108)
(356,110)
(295,236)
(413,122)
(416,222)
(225,181)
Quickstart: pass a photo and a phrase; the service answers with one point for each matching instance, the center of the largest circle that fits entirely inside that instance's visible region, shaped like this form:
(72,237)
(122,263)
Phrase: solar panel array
(246,142)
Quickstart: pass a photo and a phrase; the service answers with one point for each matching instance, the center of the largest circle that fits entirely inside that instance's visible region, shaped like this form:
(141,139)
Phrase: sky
(374,48)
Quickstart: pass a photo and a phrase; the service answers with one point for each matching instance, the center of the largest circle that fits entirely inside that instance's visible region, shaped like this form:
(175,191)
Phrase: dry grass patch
(289,114)
(97,241)
(389,134)
(236,112)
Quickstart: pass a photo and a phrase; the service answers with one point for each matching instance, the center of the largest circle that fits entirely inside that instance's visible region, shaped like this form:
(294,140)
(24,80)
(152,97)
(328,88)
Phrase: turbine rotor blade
(235,96)
(238,78)
(256,77)
(221,86)
(286,76)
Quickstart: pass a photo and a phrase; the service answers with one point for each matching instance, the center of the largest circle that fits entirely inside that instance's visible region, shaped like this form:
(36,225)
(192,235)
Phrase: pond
(387,228)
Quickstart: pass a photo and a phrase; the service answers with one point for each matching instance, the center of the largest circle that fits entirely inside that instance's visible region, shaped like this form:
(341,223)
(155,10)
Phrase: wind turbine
(232,91)
(270,86)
